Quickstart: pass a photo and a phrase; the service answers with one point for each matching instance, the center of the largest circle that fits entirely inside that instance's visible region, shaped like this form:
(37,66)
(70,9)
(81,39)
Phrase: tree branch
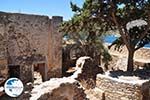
(124,36)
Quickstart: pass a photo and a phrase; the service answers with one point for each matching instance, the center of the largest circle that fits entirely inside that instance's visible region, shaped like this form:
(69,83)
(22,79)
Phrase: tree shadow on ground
(140,73)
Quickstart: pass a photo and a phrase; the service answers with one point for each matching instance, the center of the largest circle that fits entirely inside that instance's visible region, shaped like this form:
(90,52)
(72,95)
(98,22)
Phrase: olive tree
(130,17)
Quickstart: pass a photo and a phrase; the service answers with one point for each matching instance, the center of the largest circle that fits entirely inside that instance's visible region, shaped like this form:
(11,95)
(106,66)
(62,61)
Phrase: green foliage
(84,28)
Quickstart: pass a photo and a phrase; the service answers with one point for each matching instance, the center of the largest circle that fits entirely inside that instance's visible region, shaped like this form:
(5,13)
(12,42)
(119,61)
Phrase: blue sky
(40,7)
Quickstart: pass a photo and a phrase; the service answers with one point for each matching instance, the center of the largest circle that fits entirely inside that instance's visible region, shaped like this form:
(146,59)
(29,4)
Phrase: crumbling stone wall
(32,39)
(116,89)
(89,71)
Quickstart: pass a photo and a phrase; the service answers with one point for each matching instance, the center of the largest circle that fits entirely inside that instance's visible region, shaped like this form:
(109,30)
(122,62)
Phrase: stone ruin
(106,87)
(29,42)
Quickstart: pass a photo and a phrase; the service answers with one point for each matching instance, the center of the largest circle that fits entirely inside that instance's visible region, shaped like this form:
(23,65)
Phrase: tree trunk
(130,66)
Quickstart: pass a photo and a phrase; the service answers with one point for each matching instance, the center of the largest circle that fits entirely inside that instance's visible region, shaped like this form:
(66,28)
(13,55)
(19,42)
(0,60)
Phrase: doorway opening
(14,71)
(40,71)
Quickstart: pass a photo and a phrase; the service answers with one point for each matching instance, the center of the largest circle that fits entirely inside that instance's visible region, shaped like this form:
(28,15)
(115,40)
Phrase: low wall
(117,89)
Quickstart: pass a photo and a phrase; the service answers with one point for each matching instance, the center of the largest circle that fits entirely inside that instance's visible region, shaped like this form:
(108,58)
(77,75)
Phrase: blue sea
(111,38)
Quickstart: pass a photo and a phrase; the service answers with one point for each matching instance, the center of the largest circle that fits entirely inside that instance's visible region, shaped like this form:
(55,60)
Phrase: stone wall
(118,89)
(32,39)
